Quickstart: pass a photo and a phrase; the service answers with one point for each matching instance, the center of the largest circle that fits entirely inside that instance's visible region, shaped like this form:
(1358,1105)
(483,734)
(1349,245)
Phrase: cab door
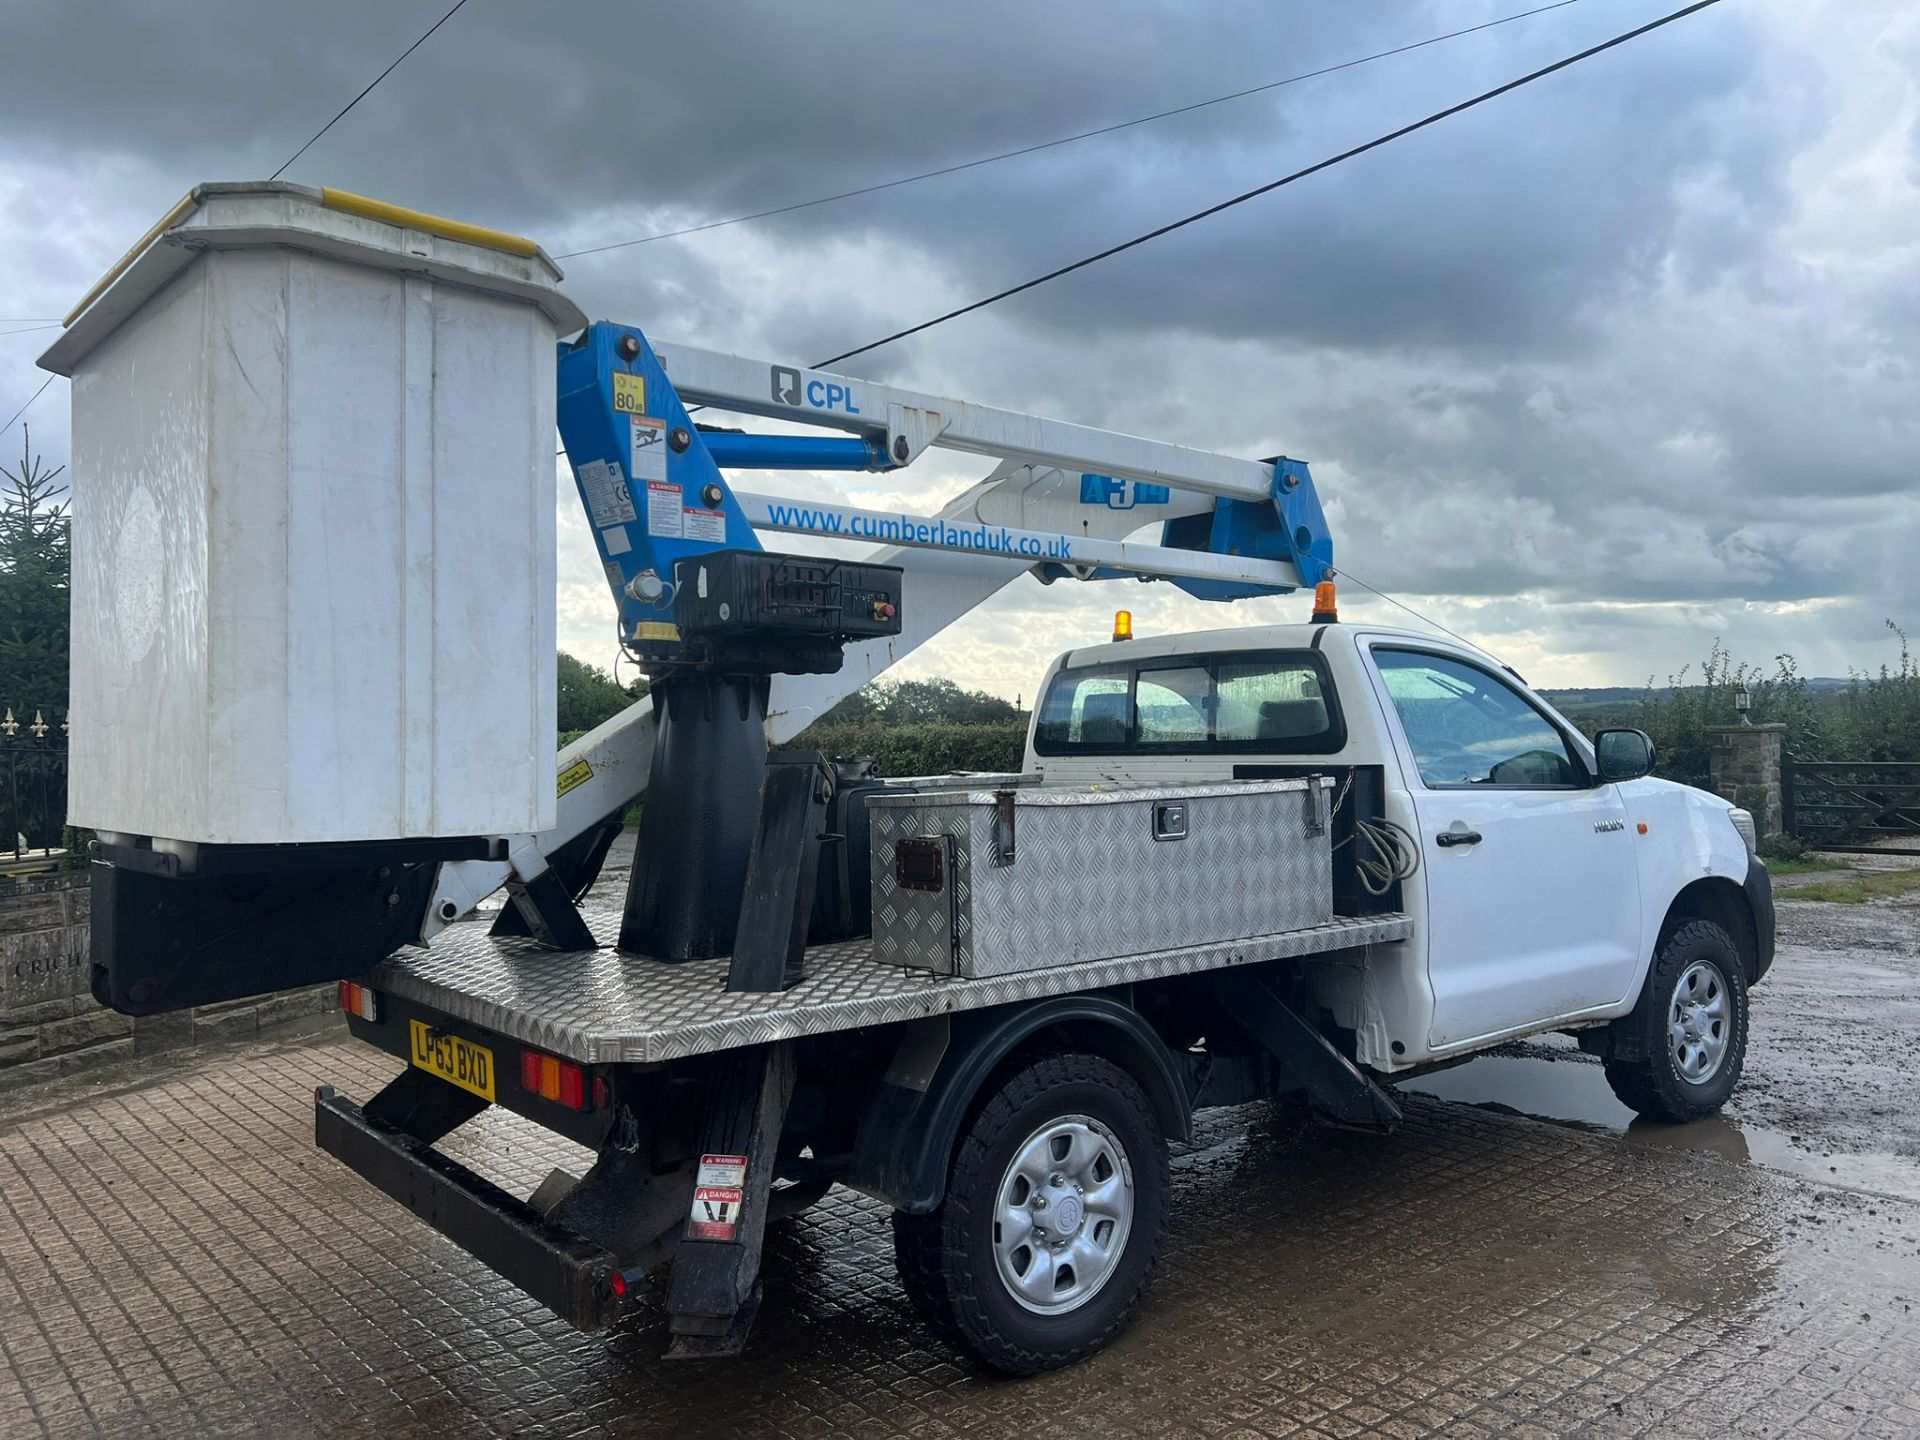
(1533,903)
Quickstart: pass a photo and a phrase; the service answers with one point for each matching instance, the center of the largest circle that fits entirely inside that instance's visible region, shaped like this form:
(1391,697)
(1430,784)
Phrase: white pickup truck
(1555,888)
(1492,875)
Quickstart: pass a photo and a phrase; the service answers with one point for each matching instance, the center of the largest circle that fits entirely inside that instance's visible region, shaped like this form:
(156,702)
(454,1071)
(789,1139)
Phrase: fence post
(1746,768)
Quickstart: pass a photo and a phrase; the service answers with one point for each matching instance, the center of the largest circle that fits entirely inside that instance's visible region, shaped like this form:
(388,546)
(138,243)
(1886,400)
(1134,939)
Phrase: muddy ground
(1832,1084)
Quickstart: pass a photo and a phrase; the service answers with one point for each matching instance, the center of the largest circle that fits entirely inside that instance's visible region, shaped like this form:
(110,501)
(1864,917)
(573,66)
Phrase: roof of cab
(1239,637)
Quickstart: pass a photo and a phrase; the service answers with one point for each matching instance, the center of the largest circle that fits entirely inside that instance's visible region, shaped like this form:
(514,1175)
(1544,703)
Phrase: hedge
(934,748)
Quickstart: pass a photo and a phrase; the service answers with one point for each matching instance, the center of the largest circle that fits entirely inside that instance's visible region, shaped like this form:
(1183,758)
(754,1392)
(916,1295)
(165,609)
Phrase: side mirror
(1622,755)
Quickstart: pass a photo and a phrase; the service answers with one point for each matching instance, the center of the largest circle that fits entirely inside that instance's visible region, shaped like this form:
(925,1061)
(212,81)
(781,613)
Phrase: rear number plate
(458,1062)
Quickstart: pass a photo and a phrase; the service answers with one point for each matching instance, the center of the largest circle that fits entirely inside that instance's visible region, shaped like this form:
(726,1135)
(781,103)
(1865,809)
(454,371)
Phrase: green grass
(1805,865)
(1858,888)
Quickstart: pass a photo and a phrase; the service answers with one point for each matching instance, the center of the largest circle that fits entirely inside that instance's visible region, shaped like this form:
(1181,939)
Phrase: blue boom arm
(654,488)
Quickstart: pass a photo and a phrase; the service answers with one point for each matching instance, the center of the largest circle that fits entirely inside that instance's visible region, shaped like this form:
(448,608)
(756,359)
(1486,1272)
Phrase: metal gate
(1861,806)
(33,788)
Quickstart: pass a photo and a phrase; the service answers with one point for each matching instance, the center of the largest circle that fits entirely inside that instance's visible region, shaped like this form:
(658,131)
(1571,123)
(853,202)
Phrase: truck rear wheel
(1689,1029)
(1055,1212)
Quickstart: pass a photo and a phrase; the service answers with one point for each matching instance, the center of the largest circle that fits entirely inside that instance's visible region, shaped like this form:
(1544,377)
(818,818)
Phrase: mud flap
(1341,1095)
(715,1291)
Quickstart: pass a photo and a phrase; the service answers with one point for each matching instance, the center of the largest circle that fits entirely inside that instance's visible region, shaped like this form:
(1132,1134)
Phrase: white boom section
(841,402)
(1033,547)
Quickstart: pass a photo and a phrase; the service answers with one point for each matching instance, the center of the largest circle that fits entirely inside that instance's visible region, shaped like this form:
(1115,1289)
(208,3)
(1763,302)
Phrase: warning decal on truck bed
(719,1188)
(716,1213)
(722,1170)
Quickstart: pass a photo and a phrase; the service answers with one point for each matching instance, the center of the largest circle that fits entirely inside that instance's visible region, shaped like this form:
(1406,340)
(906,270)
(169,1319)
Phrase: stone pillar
(1745,760)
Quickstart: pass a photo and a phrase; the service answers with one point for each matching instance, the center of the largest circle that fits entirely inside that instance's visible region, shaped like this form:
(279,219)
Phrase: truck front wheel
(1681,1049)
(1055,1211)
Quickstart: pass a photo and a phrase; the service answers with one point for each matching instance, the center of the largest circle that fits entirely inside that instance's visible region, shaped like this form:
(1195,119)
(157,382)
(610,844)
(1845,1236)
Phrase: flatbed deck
(601,1007)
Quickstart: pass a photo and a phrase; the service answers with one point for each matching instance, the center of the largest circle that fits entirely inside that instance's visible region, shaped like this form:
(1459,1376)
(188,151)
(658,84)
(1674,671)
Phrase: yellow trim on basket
(433,224)
(166,222)
(341,200)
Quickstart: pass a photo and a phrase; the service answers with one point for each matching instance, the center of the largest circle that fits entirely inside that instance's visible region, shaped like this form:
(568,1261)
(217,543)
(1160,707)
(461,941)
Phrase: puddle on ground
(1574,1092)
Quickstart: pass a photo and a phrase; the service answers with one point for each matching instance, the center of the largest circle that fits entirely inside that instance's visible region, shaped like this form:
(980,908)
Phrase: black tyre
(1678,1055)
(1054,1216)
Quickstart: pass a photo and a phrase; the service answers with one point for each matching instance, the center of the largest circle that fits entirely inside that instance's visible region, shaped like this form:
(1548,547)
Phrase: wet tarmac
(175,1258)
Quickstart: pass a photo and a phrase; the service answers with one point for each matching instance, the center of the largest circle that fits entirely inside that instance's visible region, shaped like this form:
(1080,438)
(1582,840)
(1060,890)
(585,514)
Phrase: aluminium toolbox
(842,891)
(993,882)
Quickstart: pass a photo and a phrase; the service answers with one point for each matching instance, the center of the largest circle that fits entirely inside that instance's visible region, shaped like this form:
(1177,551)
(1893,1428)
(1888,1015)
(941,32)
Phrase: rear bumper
(569,1274)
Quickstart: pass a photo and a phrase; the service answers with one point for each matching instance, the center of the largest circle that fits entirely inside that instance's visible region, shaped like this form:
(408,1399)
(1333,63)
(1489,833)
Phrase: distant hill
(1573,702)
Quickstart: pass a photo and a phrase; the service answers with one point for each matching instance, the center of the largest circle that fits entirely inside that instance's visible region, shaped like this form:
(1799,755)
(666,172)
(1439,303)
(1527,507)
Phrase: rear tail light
(359,1000)
(551,1078)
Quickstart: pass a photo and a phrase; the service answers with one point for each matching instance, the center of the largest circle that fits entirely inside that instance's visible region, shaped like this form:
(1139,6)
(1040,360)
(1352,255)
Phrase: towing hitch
(564,1270)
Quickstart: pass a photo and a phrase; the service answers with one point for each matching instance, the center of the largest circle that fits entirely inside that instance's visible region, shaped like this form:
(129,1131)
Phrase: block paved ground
(176,1258)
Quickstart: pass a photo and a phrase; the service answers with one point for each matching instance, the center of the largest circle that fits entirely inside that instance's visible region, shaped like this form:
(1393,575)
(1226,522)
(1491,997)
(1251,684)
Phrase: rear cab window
(1240,702)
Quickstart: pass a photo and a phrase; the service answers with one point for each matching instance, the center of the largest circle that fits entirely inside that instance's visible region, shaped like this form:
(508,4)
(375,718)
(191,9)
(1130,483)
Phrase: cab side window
(1467,727)
(1088,709)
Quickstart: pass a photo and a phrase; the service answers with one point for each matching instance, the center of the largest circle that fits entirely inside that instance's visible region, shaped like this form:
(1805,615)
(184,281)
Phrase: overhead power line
(1061,140)
(30,399)
(368,91)
(275,176)
(1343,574)
(1257,191)
(29,329)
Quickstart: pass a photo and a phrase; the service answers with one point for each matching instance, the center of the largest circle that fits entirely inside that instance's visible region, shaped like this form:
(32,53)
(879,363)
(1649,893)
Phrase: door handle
(1449,838)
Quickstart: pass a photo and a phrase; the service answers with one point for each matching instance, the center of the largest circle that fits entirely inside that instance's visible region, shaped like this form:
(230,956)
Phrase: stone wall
(1745,762)
(49,1022)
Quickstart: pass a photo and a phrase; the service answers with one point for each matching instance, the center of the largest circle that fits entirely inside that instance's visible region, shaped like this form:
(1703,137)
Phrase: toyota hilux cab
(1555,883)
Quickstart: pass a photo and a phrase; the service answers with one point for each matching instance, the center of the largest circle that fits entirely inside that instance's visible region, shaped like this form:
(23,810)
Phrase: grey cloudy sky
(1593,374)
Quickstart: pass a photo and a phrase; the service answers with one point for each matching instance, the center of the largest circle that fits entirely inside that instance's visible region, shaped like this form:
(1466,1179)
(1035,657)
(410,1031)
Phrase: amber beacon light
(1123,624)
(1326,610)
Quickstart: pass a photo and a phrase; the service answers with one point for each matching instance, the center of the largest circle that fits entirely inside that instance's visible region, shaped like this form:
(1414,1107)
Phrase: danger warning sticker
(663,510)
(716,1212)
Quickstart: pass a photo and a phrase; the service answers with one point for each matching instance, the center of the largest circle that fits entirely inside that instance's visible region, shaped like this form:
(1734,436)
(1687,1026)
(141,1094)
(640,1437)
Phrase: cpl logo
(820,394)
